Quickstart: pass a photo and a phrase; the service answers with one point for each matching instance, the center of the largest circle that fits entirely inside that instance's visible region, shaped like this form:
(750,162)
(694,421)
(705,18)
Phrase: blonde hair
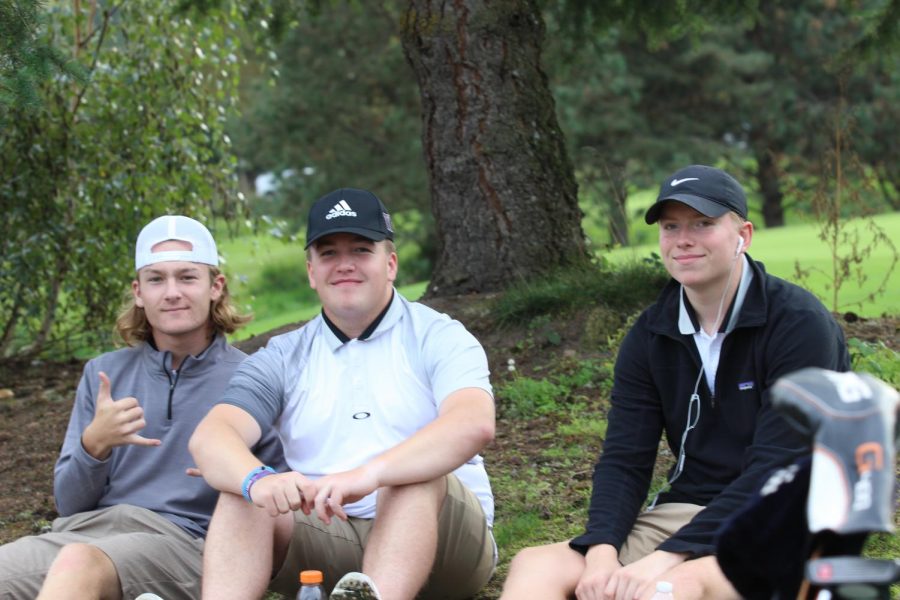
(132,326)
(738,219)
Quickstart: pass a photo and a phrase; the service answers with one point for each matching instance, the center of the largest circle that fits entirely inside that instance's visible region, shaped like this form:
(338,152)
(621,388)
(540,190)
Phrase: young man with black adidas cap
(697,366)
(382,406)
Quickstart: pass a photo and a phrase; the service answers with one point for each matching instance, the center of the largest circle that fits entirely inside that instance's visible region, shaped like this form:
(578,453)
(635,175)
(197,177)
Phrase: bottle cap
(312,577)
(664,587)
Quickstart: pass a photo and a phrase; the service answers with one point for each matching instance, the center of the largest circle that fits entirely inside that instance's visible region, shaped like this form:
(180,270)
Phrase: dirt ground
(36,397)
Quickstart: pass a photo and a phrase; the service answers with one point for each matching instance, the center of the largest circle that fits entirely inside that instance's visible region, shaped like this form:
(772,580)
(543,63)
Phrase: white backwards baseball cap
(175,227)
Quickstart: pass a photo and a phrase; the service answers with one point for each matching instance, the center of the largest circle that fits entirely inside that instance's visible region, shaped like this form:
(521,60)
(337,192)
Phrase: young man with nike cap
(382,406)
(132,516)
(697,365)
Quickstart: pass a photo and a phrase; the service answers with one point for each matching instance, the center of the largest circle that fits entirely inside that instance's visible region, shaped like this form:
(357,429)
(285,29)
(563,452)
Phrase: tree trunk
(9,328)
(770,186)
(888,175)
(503,190)
(617,195)
(54,288)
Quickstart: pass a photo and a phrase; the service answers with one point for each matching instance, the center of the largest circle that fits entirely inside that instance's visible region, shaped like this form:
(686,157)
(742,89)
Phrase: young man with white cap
(382,406)
(133,513)
(697,365)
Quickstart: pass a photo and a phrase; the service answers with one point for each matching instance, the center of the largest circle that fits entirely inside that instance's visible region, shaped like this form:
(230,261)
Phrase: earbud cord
(695,397)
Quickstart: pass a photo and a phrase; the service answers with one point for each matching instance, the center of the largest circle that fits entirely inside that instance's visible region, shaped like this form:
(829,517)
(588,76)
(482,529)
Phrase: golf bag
(801,536)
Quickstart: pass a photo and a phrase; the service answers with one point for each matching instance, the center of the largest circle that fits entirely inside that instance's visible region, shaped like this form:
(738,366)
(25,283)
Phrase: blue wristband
(252,477)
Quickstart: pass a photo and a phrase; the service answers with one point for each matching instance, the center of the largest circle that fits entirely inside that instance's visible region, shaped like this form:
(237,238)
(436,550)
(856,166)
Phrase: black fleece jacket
(739,438)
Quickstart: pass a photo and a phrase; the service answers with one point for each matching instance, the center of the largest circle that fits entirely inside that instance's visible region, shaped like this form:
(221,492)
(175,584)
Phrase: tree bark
(9,328)
(617,196)
(770,186)
(502,186)
(888,175)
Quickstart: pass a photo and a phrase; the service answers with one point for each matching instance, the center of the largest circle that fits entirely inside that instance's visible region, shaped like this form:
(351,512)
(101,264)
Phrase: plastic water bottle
(311,586)
(663,591)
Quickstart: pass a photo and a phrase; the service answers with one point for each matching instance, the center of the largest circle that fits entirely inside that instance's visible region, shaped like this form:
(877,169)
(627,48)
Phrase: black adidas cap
(349,210)
(708,190)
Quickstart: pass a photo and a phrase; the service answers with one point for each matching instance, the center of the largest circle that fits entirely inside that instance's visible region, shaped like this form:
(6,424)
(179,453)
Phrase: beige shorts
(465,559)
(150,553)
(654,527)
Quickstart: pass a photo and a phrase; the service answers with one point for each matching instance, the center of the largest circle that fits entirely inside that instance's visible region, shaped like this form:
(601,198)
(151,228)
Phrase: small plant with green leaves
(524,397)
(542,332)
(876,359)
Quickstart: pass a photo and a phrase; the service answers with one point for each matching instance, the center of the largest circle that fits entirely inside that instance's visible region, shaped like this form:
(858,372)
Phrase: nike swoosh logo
(680,181)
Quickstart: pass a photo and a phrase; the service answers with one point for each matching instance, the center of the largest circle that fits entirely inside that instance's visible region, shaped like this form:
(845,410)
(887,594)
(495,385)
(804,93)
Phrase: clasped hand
(605,579)
(287,492)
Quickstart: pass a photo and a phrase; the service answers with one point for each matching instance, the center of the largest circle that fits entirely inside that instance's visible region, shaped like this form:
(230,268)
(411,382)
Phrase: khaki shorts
(465,561)
(654,527)
(150,553)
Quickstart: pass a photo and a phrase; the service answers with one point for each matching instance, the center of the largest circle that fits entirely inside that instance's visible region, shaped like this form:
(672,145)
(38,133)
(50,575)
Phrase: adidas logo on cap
(341,209)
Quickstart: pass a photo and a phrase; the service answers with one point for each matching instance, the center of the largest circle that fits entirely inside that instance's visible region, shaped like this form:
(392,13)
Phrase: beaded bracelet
(252,477)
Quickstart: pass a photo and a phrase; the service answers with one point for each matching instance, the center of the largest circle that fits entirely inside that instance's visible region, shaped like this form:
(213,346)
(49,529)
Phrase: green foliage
(578,373)
(285,287)
(622,287)
(752,93)
(26,60)
(525,398)
(143,136)
(335,105)
(340,108)
(876,359)
(559,392)
(282,277)
(885,546)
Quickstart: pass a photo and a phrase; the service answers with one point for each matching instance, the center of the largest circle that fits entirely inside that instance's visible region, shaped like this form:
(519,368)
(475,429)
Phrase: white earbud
(740,245)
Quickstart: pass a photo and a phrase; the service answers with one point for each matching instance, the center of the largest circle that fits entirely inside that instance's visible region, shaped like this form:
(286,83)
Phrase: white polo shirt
(338,404)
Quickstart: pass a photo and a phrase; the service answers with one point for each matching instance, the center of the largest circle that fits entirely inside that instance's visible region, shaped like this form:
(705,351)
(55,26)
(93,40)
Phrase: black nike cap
(708,190)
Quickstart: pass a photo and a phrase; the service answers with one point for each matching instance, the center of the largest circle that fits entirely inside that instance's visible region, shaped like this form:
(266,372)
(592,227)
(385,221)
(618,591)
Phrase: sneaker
(355,586)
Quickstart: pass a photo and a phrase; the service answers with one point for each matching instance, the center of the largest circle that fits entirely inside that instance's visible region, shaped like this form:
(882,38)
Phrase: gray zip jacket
(174,402)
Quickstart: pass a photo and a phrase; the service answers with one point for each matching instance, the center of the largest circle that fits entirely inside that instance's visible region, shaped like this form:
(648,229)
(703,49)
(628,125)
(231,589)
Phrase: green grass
(780,248)
(629,286)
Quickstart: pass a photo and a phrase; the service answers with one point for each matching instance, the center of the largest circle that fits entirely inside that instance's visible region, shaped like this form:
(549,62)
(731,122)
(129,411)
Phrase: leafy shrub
(283,277)
(284,287)
(876,359)
(579,373)
(601,326)
(523,397)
